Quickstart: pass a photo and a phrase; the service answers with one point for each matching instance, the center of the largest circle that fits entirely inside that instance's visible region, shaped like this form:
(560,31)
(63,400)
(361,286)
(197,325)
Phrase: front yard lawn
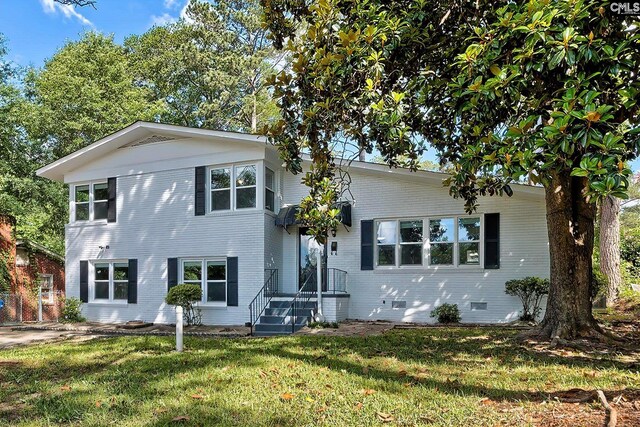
(443,376)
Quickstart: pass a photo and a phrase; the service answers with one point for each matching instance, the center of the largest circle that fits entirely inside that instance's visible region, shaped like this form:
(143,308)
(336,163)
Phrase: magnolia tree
(540,91)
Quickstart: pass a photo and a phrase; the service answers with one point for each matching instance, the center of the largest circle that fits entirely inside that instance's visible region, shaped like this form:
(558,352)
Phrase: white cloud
(163,19)
(170,4)
(183,13)
(51,7)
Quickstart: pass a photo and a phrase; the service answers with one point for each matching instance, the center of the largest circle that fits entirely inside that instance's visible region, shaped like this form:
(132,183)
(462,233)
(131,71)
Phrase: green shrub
(530,290)
(71,311)
(447,313)
(323,325)
(186,295)
(630,251)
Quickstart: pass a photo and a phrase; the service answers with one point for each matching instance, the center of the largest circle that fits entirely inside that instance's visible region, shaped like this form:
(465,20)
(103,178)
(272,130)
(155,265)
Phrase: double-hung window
(110,281)
(232,187)
(447,241)
(245,186)
(90,201)
(269,190)
(210,275)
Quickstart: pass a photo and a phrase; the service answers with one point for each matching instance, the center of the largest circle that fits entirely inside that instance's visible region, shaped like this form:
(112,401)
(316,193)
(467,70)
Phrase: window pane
(411,254)
(216,291)
(387,255)
(386,232)
(468,229)
(192,270)
(411,231)
(441,230)
(245,176)
(100,210)
(221,200)
(120,290)
(442,254)
(120,271)
(100,192)
(216,270)
(269,200)
(82,211)
(102,290)
(220,178)
(269,178)
(246,198)
(101,271)
(469,253)
(82,193)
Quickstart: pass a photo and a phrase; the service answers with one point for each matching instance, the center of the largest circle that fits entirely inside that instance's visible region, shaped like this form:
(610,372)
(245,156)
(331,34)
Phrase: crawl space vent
(398,304)
(475,306)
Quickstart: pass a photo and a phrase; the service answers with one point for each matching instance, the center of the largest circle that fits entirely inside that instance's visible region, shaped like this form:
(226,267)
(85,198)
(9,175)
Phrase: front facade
(155,205)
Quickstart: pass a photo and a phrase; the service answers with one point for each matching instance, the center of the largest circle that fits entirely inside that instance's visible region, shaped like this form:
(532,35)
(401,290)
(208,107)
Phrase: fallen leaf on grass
(402,373)
(197,396)
(486,401)
(358,406)
(180,419)
(384,417)
(367,391)
(65,388)
(308,399)
(98,404)
(286,396)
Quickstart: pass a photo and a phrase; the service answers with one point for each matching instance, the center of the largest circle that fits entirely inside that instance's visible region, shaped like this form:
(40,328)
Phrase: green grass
(422,376)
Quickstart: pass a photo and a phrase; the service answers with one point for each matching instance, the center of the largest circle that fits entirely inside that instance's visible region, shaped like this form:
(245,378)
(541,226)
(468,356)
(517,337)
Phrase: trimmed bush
(447,313)
(530,290)
(186,295)
(71,312)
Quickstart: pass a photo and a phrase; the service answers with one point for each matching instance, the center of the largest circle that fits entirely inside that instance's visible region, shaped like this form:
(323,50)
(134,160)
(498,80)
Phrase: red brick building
(34,273)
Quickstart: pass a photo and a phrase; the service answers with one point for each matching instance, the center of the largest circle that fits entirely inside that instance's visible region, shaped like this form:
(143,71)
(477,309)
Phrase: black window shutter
(111,200)
(133,281)
(201,172)
(172,272)
(84,281)
(232,281)
(492,241)
(366,244)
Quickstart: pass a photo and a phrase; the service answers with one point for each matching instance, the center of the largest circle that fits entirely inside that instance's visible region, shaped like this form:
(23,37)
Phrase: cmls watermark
(625,7)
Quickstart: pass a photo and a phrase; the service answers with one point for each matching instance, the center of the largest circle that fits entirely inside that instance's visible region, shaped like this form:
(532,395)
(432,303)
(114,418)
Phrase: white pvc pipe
(320,315)
(40,304)
(179,328)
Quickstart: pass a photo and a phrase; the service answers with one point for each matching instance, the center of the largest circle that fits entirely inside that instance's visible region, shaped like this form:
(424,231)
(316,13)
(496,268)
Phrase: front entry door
(307,260)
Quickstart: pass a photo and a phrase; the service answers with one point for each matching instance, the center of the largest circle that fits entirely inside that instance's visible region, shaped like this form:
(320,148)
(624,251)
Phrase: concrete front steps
(277,317)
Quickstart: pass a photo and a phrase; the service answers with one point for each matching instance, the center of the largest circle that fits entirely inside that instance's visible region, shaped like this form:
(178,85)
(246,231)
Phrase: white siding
(523,252)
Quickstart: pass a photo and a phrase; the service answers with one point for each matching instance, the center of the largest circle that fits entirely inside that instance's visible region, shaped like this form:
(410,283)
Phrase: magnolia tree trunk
(570,224)
(610,246)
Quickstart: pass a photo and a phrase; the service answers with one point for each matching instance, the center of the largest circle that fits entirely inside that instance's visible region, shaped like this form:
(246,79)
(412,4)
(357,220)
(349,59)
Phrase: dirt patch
(351,328)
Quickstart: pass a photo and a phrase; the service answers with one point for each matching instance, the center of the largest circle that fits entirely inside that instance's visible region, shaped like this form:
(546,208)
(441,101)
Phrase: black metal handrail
(336,280)
(262,299)
(304,295)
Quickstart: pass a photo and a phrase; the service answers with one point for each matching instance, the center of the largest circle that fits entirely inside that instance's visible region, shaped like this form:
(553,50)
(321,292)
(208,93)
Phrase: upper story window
(245,186)
(269,190)
(210,274)
(447,241)
(237,193)
(90,201)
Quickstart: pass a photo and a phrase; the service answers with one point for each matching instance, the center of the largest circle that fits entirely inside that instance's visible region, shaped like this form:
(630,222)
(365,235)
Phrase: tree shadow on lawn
(122,375)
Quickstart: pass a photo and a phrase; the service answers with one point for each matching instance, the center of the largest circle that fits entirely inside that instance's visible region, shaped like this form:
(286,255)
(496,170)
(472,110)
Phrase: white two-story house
(155,205)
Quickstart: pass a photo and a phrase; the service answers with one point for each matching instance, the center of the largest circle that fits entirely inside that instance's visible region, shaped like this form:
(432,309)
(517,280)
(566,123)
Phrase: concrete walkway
(12,338)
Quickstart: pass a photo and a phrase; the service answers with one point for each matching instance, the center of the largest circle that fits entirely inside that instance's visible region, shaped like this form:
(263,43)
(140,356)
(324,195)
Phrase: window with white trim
(269,189)
(110,281)
(443,241)
(245,186)
(90,201)
(232,187)
(210,275)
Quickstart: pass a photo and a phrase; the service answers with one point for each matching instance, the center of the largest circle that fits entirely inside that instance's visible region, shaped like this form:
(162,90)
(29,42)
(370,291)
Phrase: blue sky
(35,29)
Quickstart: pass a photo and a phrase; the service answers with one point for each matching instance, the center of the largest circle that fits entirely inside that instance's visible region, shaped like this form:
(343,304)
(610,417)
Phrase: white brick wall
(523,251)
